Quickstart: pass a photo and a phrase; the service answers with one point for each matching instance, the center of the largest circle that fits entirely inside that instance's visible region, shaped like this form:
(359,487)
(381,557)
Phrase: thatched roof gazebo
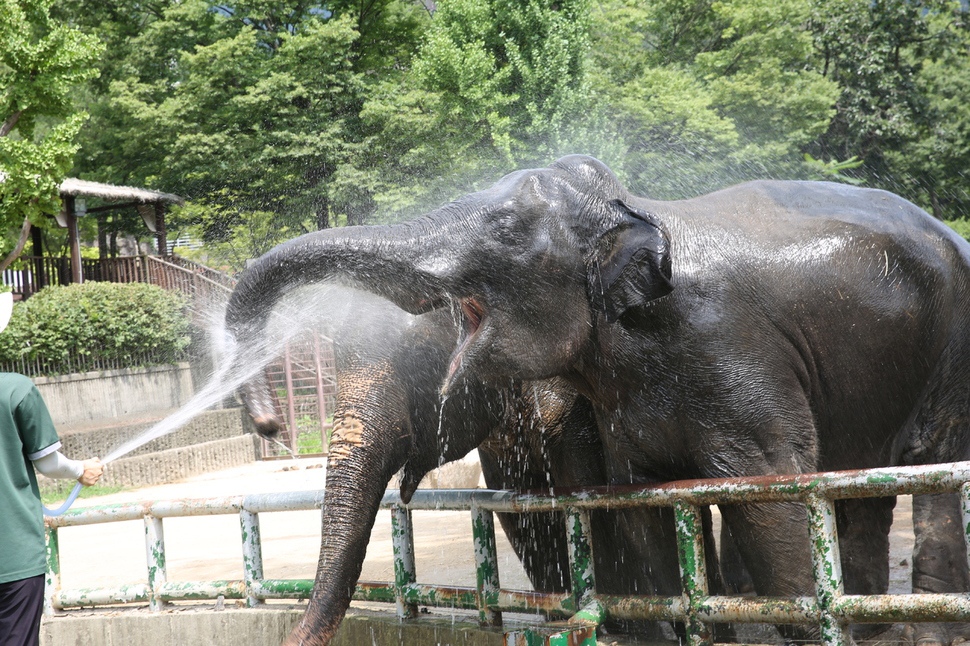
(151,205)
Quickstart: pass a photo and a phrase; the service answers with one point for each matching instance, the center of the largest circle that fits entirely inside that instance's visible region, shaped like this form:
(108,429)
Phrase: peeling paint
(830,608)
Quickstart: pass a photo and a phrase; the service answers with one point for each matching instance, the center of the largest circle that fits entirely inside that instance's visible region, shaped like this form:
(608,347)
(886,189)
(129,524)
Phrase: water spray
(230,375)
(240,364)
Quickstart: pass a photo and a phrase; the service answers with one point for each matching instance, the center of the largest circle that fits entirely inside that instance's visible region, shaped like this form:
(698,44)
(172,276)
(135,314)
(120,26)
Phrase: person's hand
(93,469)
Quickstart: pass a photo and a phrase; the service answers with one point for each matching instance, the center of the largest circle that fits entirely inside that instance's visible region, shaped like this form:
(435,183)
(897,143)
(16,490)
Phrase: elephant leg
(773,541)
(863,526)
(635,552)
(737,579)
(939,561)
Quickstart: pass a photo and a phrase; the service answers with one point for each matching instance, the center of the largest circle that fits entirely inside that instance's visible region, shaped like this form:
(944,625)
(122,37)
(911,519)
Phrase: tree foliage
(898,64)
(42,61)
(495,85)
(275,117)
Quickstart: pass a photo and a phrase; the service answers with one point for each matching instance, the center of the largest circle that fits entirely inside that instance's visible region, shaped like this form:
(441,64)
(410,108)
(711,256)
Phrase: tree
(247,109)
(41,63)
(901,67)
(708,93)
(496,85)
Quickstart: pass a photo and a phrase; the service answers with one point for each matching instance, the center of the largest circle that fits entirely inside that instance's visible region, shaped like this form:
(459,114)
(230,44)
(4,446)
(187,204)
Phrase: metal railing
(831,609)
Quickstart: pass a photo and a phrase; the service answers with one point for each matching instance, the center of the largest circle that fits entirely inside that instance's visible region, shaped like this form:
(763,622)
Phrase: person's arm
(56,465)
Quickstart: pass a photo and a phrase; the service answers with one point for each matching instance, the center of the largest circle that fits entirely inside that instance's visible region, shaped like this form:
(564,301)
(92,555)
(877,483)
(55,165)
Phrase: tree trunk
(19,248)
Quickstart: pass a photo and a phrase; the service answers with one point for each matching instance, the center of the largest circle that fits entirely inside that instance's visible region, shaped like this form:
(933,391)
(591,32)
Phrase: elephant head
(528,263)
(510,260)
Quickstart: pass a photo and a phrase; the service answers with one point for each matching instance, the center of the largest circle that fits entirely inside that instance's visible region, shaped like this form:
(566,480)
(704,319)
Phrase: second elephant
(390,417)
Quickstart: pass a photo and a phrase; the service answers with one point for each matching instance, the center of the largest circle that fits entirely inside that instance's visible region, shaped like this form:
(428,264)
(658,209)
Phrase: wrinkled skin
(768,328)
(390,415)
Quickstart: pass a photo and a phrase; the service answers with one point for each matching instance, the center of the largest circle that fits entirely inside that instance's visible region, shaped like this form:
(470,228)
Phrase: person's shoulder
(14,382)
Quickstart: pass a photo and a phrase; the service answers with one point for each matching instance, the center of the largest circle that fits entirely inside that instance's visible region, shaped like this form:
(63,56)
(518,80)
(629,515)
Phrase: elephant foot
(937,634)
(879,634)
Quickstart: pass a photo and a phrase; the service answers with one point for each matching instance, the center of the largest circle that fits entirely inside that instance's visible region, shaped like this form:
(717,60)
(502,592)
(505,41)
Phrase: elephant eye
(510,229)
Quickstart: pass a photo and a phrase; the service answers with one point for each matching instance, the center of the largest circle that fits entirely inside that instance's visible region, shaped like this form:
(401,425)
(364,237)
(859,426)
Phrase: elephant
(772,327)
(390,416)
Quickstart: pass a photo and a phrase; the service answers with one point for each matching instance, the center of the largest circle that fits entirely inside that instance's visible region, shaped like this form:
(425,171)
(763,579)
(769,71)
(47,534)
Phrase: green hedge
(94,326)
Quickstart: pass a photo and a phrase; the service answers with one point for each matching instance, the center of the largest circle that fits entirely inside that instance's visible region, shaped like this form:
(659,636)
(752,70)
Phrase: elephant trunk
(404,263)
(368,445)
(398,262)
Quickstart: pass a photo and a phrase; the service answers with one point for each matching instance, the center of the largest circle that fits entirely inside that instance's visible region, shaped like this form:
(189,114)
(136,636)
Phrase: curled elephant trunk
(396,262)
(255,395)
(406,264)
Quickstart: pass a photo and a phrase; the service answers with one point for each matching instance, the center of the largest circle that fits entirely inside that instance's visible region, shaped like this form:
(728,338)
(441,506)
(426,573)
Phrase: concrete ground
(113,554)
(209,547)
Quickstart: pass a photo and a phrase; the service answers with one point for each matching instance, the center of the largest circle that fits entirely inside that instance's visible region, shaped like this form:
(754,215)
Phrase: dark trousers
(21,606)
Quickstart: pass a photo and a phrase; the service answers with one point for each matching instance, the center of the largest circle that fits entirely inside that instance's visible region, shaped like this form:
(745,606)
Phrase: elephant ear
(631,263)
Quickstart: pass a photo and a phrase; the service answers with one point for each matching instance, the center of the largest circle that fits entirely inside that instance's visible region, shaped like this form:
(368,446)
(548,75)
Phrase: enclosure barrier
(830,608)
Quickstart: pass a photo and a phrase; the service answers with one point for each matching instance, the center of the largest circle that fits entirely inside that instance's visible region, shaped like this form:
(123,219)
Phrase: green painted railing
(831,609)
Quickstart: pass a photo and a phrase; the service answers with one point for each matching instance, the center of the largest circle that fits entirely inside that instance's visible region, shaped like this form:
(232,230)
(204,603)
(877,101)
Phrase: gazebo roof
(110,192)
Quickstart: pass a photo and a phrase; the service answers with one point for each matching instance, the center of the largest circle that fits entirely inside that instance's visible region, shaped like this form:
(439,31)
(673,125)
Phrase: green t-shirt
(26,432)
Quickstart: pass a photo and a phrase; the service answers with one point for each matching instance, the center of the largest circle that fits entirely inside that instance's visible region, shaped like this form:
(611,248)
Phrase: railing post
(52,582)
(827,568)
(155,553)
(580,549)
(965,508)
(290,399)
(321,402)
(486,566)
(402,540)
(252,549)
(693,571)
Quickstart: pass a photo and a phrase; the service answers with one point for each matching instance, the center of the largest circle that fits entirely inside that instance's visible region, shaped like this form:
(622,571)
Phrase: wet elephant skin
(391,417)
(771,327)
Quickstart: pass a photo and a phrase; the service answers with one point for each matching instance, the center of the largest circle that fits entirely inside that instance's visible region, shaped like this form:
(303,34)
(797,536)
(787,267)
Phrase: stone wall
(172,465)
(213,440)
(100,440)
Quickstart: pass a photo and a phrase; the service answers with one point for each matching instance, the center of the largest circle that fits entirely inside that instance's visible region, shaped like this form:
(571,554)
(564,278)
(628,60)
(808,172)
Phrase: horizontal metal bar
(903,607)
(554,604)
(282,589)
(767,610)
(838,484)
(100,596)
(196,590)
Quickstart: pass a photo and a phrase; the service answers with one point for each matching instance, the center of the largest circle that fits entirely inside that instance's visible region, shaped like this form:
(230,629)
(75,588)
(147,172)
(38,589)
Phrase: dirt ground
(209,547)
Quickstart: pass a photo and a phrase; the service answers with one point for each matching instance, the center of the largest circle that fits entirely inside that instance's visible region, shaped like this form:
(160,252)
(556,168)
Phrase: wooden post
(73,239)
(160,233)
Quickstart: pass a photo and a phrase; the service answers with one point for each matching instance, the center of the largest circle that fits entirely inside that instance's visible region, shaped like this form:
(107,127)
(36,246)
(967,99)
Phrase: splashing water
(228,378)
(237,364)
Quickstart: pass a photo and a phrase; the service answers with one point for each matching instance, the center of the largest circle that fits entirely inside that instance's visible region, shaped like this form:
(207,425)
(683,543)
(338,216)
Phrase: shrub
(95,325)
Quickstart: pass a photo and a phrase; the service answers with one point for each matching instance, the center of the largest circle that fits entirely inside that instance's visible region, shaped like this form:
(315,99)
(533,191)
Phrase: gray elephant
(772,327)
(390,415)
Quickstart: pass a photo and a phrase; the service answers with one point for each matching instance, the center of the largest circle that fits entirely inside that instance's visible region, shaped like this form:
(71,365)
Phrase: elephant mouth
(472,316)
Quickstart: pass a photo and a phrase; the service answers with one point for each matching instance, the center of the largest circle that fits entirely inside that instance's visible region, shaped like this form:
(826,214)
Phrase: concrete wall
(91,396)
(254,627)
